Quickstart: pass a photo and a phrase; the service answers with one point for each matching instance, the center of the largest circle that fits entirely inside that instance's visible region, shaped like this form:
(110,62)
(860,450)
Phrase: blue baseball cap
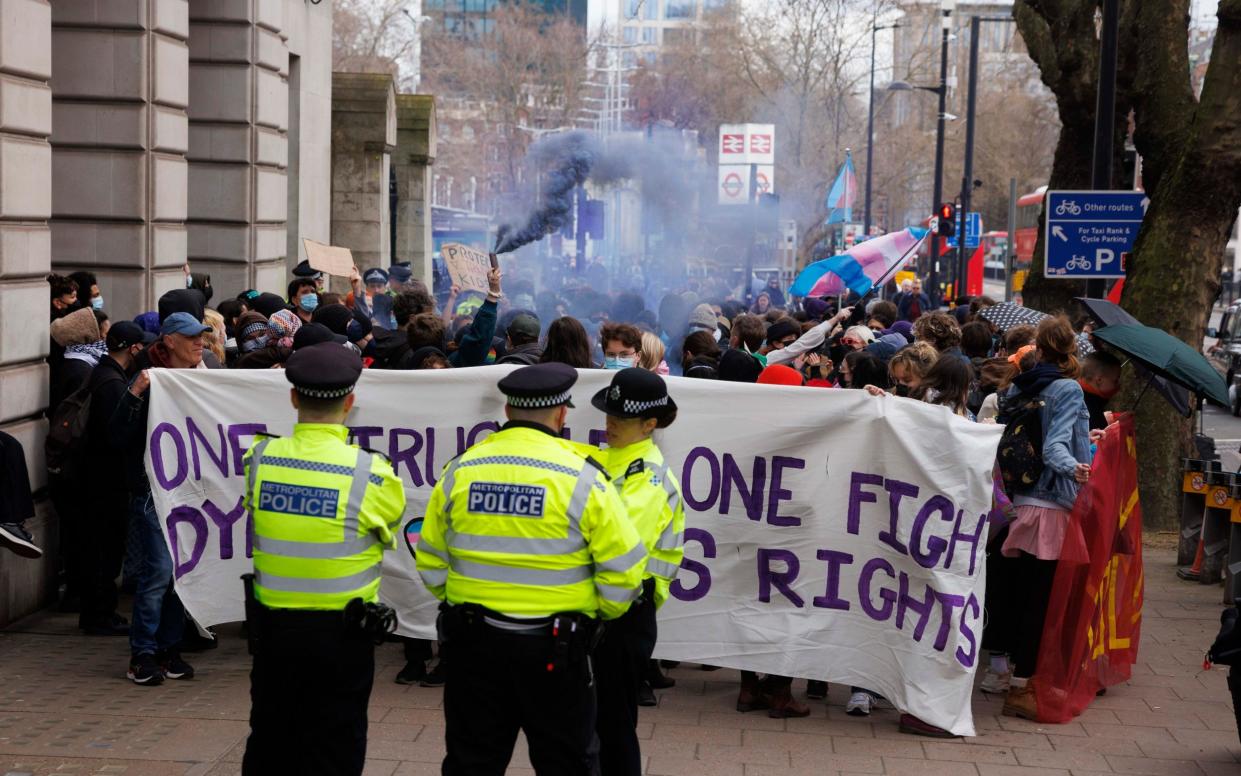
(182,323)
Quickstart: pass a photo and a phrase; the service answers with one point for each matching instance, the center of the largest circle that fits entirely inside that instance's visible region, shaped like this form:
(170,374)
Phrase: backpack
(66,433)
(1020,454)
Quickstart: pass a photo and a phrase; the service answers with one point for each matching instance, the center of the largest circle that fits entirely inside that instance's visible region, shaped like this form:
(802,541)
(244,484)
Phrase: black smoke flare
(566,159)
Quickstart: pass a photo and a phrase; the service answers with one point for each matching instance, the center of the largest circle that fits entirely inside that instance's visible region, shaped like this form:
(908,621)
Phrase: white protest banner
(830,534)
(467,267)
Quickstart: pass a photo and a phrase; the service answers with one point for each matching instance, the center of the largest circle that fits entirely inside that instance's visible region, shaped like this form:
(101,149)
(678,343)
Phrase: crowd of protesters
(901,346)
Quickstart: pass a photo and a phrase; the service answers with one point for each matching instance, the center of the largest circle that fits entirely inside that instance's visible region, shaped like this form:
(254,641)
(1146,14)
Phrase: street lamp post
(942,90)
(1105,115)
(870,119)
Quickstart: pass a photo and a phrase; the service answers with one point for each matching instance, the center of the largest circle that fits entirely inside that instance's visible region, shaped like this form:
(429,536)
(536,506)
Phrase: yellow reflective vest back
(524,525)
(324,511)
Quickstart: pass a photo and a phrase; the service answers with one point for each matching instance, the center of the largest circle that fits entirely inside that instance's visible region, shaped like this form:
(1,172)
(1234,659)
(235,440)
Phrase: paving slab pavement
(66,708)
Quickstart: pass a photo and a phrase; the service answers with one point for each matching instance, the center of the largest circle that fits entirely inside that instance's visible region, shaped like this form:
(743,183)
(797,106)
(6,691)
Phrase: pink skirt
(1037,531)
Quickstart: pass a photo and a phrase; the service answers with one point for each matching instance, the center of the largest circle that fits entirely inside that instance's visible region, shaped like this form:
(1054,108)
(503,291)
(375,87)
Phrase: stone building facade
(137,135)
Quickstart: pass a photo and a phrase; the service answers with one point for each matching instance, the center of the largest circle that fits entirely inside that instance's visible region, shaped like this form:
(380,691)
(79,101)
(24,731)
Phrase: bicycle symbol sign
(1089,234)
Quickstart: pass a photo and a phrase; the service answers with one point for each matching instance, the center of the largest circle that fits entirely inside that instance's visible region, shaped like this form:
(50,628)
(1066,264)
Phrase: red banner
(1090,638)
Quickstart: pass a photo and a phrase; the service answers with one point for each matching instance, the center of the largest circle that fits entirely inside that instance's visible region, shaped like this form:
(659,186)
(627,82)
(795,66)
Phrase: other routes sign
(1089,234)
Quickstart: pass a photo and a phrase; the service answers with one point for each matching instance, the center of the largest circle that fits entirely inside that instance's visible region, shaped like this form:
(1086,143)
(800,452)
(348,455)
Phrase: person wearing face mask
(89,294)
(105,531)
(303,298)
(636,404)
(622,345)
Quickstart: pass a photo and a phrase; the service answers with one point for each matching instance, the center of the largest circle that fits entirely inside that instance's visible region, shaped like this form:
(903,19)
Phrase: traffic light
(947,224)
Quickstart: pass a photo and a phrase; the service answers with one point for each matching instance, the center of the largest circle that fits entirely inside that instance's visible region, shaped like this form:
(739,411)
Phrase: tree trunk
(1173,274)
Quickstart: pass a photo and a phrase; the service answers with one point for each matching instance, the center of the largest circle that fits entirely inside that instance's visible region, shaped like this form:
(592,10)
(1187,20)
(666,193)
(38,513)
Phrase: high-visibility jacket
(525,525)
(653,501)
(324,511)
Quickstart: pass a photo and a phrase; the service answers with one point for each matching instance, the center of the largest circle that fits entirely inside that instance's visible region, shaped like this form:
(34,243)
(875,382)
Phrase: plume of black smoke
(566,160)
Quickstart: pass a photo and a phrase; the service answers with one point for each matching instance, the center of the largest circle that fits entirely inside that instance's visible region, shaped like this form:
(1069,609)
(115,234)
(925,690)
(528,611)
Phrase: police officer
(323,513)
(527,543)
(636,403)
(304,270)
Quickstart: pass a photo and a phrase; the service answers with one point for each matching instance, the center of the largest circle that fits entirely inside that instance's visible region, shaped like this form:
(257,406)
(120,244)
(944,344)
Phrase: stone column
(238,145)
(363,139)
(415,153)
(119,88)
(25,258)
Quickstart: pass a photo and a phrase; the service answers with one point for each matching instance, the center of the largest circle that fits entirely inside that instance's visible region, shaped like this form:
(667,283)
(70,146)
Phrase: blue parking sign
(1089,234)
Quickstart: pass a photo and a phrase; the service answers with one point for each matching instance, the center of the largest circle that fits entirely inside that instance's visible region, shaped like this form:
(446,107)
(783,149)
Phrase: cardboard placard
(466,266)
(331,259)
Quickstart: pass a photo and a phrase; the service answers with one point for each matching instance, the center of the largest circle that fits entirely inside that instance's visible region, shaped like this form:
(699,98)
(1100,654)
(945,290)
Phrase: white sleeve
(806,343)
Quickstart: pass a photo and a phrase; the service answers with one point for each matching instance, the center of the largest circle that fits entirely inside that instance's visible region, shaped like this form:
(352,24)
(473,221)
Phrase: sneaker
(144,670)
(995,683)
(859,704)
(646,696)
(434,677)
(815,689)
(113,625)
(19,540)
(174,667)
(413,672)
(916,727)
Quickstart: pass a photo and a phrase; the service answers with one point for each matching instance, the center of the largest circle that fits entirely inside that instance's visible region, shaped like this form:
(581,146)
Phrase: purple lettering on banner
(489,426)
(972,538)
(935,545)
(967,658)
(196,435)
(678,590)
(831,599)
(752,497)
(905,602)
(432,475)
(687,480)
(224,522)
(598,436)
(947,603)
(780,580)
(235,432)
(888,597)
(193,518)
(361,435)
(778,464)
(897,490)
(157,456)
(405,455)
(460,440)
(858,497)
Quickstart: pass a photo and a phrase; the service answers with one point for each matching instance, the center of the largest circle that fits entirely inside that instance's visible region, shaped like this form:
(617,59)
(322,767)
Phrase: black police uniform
(313,648)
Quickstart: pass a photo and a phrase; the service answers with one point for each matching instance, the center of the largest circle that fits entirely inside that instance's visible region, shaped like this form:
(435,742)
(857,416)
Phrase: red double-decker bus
(1026,234)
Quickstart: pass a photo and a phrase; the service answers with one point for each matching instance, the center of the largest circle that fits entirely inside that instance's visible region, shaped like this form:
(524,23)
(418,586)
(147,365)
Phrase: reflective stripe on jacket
(653,501)
(524,525)
(324,511)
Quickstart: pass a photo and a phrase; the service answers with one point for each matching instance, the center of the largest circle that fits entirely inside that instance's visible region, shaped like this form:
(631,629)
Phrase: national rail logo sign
(760,144)
(732,144)
(747,144)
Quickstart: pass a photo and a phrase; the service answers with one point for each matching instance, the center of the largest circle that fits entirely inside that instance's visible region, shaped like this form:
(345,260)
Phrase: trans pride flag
(861,267)
(843,193)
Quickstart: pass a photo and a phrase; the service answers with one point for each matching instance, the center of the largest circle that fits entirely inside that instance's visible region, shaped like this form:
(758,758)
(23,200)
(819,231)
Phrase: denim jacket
(1066,442)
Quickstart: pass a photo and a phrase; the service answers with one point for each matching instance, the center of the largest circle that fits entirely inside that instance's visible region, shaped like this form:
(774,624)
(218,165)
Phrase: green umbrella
(1167,356)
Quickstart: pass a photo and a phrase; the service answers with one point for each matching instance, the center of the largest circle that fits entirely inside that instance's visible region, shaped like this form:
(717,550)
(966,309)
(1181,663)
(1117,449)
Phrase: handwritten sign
(466,266)
(331,259)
